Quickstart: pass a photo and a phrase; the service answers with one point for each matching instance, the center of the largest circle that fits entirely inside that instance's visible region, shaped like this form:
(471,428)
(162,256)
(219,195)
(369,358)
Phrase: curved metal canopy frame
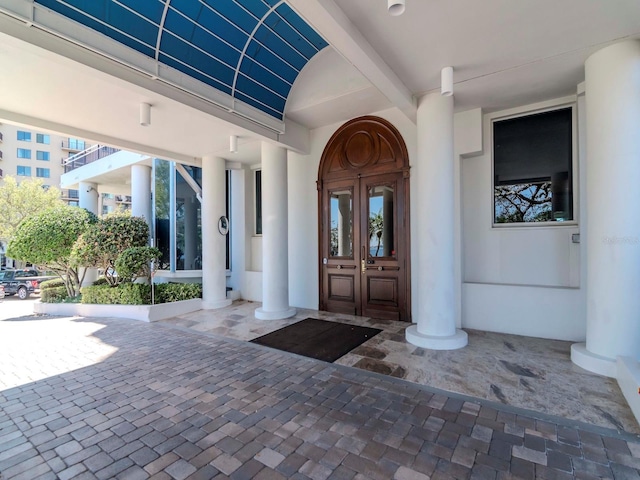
(250,50)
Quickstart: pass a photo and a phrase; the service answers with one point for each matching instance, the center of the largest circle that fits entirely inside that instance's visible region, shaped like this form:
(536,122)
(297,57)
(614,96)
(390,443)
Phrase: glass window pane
(258,202)
(381,224)
(162,184)
(188,223)
(533,168)
(341,211)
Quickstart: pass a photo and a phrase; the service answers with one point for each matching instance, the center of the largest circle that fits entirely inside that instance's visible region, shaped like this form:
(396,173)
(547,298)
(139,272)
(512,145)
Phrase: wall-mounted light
(145,114)
(233,143)
(446,81)
(395,7)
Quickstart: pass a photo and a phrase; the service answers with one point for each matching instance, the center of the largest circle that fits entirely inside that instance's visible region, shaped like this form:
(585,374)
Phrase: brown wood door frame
(364,151)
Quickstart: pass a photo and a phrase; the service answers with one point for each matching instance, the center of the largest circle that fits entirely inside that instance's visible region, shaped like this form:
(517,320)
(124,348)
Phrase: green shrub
(123,294)
(100,281)
(140,294)
(136,262)
(175,292)
(55,294)
(53,283)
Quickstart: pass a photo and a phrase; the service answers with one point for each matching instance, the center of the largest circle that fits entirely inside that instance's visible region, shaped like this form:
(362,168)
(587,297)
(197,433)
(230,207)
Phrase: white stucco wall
(517,279)
(522,280)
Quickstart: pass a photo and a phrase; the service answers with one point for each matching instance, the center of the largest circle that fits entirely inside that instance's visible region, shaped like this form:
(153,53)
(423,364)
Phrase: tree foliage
(21,200)
(138,262)
(105,240)
(47,238)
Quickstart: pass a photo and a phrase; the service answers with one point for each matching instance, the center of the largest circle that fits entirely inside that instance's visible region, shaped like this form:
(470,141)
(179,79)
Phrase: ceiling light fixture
(446,81)
(145,114)
(233,143)
(395,7)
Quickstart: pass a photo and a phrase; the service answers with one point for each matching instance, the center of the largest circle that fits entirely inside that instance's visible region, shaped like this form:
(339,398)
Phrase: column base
(433,342)
(278,315)
(593,362)
(215,304)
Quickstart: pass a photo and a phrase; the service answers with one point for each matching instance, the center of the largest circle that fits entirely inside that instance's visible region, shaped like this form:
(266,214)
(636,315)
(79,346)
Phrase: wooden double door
(364,245)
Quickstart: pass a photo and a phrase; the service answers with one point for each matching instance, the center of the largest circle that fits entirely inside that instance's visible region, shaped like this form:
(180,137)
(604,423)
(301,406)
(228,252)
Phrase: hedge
(53,291)
(140,294)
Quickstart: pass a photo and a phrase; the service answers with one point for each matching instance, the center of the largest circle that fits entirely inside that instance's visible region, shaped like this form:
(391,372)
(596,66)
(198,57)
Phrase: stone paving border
(176,404)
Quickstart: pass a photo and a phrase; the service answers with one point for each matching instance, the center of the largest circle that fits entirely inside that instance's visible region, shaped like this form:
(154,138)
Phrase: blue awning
(252,50)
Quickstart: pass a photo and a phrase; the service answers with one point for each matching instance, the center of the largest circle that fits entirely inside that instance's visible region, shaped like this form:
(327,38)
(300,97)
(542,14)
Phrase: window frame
(41,137)
(27,168)
(575,183)
(21,151)
(43,170)
(25,134)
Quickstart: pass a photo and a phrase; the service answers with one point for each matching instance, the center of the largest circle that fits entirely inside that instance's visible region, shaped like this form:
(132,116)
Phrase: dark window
(258,202)
(532,157)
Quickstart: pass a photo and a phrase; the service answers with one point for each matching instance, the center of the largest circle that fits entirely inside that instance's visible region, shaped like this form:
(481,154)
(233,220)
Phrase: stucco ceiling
(505,53)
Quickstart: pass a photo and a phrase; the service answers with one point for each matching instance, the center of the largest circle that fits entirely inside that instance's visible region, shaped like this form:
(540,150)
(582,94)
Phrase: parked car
(17,282)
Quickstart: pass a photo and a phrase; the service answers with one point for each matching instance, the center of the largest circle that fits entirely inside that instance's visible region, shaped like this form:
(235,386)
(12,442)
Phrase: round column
(436,316)
(275,235)
(612,84)
(141,192)
(214,278)
(88,198)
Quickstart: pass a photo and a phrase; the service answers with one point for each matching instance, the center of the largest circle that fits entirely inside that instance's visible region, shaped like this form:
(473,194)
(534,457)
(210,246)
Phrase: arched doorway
(363,189)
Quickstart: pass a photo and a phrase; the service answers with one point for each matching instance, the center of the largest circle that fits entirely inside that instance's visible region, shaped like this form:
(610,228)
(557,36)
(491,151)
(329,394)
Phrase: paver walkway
(121,399)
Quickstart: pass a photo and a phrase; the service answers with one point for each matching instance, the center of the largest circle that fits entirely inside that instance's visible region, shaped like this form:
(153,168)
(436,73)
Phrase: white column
(214,278)
(88,199)
(275,234)
(141,192)
(434,244)
(612,83)
(88,196)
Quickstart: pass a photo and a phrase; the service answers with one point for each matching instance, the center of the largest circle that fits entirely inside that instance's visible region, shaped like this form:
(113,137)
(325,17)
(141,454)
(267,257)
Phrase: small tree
(21,200)
(47,238)
(104,241)
(138,262)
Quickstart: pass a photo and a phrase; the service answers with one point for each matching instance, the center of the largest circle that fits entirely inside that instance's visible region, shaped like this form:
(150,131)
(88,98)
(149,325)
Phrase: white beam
(336,28)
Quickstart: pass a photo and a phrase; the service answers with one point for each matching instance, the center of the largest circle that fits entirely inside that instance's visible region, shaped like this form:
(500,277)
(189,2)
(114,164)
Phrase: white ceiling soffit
(336,28)
(227,108)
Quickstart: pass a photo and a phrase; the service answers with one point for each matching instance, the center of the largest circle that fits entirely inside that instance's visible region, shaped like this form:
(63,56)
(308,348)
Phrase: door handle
(363,262)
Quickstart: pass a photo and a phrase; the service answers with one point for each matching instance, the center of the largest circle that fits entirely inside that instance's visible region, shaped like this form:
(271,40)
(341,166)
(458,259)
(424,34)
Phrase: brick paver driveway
(117,399)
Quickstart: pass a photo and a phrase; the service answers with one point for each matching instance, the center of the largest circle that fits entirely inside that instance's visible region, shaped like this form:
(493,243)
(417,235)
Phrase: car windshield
(2,274)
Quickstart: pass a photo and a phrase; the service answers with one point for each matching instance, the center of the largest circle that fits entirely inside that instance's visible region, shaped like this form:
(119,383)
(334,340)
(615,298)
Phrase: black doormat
(318,339)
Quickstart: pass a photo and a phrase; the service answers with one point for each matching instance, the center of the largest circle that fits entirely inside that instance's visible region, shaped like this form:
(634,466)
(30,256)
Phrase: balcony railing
(73,144)
(70,194)
(88,156)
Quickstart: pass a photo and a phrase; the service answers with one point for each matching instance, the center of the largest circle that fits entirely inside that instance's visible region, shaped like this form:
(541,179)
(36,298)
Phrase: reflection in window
(381,224)
(341,211)
(188,222)
(178,217)
(532,168)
